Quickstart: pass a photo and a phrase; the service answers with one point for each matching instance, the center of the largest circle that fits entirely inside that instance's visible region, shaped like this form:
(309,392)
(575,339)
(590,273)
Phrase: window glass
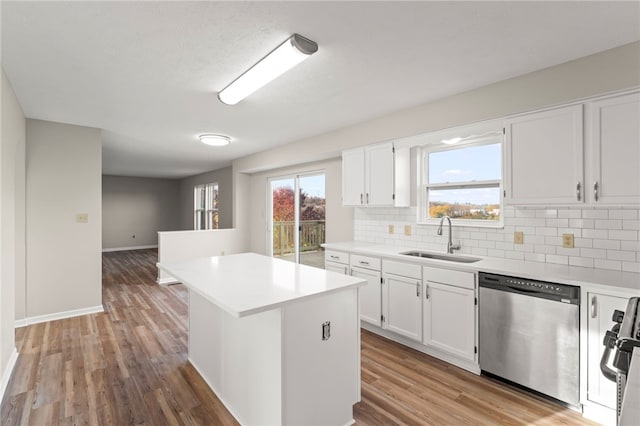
(469,164)
(466,203)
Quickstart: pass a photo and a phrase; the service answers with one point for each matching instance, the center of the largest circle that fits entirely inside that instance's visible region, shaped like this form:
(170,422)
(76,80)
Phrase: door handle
(361,199)
(426,292)
(595,191)
(594,307)
(418,289)
(367,198)
(578,191)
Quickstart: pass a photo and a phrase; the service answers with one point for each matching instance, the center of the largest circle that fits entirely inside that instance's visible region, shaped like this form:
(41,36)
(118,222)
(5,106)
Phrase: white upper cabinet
(615,148)
(375,175)
(353,177)
(544,157)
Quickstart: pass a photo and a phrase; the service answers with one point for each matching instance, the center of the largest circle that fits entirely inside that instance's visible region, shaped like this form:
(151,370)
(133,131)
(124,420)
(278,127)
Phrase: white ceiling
(148,72)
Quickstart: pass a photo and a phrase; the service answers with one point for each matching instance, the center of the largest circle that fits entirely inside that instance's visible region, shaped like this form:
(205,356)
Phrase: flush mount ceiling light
(214,140)
(284,57)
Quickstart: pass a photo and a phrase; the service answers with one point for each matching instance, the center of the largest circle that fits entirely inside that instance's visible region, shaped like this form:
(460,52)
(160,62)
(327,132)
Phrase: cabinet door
(616,150)
(402,306)
(353,177)
(379,175)
(370,296)
(601,307)
(449,319)
(544,157)
(336,267)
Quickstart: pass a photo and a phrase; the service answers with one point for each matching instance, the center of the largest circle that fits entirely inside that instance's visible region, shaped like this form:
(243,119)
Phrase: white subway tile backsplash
(569,214)
(603,238)
(608,224)
(631,266)
(628,256)
(623,214)
(581,261)
(595,233)
(608,264)
(595,214)
(623,235)
(607,244)
(561,260)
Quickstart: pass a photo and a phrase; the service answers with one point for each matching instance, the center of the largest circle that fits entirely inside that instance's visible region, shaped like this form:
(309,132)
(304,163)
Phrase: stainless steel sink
(439,256)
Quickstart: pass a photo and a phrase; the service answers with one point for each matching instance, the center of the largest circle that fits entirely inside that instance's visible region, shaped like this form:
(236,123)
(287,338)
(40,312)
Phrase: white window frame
(424,186)
(210,210)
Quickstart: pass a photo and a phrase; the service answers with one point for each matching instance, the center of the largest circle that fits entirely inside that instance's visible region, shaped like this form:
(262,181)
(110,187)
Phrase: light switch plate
(518,237)
(391,229)
(567,240)
(407,230)
(82,218)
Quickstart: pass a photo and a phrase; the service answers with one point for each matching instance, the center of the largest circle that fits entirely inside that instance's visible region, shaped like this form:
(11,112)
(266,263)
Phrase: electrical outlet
(567,240)
(391,229)
(82,218)
(518,237)
(407,230)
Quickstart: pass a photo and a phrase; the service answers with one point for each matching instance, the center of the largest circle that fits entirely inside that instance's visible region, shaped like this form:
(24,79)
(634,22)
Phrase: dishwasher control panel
(554,291)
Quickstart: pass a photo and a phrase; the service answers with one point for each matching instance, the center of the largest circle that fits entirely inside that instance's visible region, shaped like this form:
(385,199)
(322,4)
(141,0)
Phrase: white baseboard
(59,315)
(167,281)
(6,374)
(129,248)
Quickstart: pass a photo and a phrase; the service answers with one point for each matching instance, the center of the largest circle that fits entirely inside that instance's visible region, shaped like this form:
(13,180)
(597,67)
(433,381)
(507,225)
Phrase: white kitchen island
(279,343)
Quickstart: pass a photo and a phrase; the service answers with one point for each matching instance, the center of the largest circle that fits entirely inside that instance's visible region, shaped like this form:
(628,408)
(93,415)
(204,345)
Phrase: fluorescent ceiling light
(215,140)
(284,57)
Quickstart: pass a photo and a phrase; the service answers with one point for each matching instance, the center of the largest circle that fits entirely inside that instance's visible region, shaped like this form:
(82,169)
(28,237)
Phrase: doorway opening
(297,219)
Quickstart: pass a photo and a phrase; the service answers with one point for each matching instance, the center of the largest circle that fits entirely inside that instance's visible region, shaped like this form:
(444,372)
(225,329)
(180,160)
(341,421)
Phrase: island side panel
(321,377)
(240,359)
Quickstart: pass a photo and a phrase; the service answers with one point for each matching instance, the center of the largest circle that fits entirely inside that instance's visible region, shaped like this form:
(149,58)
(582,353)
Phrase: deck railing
(312,234)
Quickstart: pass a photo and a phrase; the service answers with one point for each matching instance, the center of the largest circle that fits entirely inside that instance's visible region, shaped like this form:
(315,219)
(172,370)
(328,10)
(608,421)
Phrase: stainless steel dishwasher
(530,334)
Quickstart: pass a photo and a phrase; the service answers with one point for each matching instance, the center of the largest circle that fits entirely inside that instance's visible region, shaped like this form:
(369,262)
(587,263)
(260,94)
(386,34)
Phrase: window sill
(465,223)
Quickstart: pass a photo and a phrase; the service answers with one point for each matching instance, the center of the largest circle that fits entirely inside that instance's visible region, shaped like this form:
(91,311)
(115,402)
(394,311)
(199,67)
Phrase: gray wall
(140,207)
(224,178)
(63,179)
(12,227)
(607,71)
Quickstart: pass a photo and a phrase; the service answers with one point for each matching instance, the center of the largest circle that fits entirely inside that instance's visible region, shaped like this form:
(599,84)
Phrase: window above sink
(461,177)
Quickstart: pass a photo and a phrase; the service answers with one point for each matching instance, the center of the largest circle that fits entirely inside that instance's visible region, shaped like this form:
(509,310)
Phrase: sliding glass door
(297,225)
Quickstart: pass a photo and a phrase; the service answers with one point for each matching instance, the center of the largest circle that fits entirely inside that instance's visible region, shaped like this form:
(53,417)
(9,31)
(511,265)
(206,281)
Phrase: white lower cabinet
(370,295)
(401,298)
(449,317)
(336,267)
(600,309)
(368,268)
(402,305)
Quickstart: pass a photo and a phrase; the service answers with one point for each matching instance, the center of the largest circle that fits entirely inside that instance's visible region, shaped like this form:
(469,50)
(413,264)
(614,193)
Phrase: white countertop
(561,274)
(630,413)
(249,283)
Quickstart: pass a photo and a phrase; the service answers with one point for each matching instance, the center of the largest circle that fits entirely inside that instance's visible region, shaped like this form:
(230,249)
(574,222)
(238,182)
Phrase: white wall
(12,143)
(607,71)
(63,180)
(339,220)
(224,178)
(134,209)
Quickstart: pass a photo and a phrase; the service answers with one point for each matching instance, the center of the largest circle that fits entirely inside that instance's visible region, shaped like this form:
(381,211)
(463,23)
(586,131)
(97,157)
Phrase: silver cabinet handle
(418,289)
(334,257)
(367,198)
(578,191)
(345,271)
(594,307)
(426,291)
(361,199)
(595,191)
(362,262)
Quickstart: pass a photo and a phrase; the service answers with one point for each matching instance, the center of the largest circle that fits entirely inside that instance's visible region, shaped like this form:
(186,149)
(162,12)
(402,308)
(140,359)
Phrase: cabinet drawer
(450,277)
(403,269)
(365,262)
(336,256)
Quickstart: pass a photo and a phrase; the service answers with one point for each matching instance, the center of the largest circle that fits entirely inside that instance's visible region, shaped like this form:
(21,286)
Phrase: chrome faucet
(450,246)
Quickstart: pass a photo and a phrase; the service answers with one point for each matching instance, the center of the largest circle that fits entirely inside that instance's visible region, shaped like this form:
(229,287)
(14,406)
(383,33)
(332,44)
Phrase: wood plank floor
(129,366)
